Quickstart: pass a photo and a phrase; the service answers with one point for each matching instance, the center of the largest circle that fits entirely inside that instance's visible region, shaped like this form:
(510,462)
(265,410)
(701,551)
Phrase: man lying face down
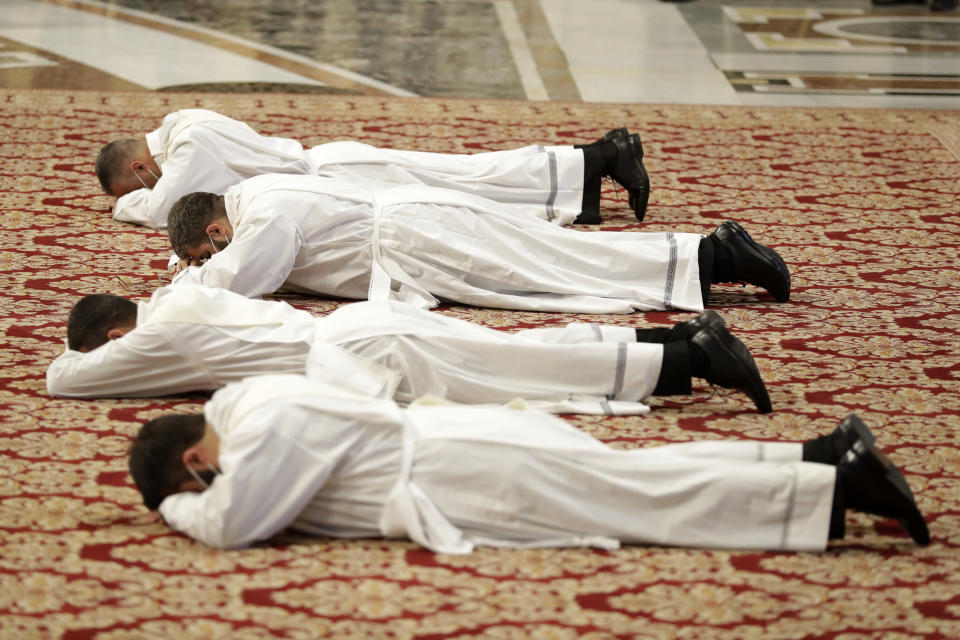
(201,150)
(284,451)
(417,244)
(190,337)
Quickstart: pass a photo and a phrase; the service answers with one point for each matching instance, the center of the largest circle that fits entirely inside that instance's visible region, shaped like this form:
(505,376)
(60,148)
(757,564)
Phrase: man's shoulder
(189,125)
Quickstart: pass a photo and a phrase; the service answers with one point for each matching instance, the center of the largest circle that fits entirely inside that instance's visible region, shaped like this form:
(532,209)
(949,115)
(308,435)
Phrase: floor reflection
(707,52)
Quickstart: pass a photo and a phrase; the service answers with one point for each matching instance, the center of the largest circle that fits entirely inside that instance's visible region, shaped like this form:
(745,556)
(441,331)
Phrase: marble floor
(753,52)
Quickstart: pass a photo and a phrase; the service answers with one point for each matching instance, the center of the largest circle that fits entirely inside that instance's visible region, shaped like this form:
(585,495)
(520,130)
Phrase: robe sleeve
(258,260)
(182,174)
(191,166)
(134,207)
(142,363)
(269,481)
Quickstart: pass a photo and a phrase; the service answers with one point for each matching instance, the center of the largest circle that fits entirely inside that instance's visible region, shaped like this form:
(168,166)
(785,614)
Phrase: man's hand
(183,264)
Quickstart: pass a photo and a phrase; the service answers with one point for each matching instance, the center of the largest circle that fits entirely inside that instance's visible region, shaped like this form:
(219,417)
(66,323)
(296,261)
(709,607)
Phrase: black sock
(818,450)
(594,163)
(656,335)
(680,332)
(825,449)
(838,512)
(723,268)
(674,378)
(699,361)
(594,166)
(590,203)
(705,261)
(600,158)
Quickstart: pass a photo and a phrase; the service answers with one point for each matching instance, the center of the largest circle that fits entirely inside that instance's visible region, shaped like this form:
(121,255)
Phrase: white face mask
(155,177)
(214,244)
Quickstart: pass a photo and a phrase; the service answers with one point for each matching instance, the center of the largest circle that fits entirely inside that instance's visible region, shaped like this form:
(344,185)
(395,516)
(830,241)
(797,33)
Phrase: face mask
(196,476)
(141,179)
(214,244)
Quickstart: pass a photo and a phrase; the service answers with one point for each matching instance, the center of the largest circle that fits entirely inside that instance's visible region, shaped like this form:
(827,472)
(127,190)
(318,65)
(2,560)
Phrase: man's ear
(194,458)
(117,332)
(137,165)
(214,227)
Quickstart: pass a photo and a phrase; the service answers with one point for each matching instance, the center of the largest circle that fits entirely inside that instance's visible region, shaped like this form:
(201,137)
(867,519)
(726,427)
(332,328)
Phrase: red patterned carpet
(862,204)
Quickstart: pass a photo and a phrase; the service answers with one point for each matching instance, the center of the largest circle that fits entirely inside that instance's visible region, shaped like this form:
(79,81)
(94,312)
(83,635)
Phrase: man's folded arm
(269,482)
(140,364)
(257,262)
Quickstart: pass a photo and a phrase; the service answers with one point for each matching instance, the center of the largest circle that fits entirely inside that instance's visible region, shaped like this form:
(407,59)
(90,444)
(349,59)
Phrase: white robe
(200,150)
(543,181)
(298,453)
(421,244)
(191,338)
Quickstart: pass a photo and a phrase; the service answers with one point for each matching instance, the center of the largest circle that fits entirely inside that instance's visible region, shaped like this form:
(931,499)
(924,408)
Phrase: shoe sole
(915,526)
(743,354)
(638,201)
(637,198)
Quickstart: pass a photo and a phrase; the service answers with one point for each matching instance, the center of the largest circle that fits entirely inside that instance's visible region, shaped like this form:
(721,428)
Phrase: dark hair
(188,220)
(92,317)
(112,161)
(155,456)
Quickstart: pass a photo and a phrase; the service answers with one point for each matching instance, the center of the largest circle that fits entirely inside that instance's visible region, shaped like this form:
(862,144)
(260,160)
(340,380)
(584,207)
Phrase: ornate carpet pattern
(862,204)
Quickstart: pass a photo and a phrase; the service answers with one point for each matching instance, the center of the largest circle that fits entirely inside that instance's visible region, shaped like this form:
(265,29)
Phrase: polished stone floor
(762,52)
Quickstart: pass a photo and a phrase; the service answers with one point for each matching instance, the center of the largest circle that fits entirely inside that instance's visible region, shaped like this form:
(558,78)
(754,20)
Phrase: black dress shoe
(831,448)
(588,218)
(630,173)
(871,483)
(613,134)
(709,319)
(752,262)
(610,136)
(852,429)
(731,365)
